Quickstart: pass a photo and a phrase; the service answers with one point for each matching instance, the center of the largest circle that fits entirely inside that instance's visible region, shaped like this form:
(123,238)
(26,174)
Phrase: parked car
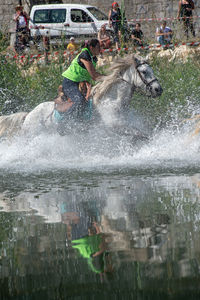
(56,20)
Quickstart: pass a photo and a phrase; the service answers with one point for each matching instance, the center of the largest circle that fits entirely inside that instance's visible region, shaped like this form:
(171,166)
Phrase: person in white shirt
(21,18)
(164,34)
(22,31)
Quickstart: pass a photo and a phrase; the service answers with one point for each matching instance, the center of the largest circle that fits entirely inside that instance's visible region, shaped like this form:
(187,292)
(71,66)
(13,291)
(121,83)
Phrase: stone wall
(135,9)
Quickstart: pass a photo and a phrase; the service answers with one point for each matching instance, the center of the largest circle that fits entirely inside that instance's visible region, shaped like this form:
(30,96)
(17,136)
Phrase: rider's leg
(71,90)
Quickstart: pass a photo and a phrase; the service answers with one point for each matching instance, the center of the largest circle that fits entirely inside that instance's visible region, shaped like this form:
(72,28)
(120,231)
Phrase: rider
(82,69)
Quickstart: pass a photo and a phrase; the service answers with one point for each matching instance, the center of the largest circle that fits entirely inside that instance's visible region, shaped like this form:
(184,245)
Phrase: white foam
(96,150)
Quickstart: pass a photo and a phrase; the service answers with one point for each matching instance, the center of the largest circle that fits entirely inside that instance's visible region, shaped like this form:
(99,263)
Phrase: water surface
(92,217)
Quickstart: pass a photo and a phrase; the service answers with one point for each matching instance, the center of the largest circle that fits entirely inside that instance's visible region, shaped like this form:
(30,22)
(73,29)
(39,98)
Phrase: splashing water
(95,149)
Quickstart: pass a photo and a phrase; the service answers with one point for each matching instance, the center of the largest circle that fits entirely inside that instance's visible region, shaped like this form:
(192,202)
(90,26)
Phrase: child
(72,46)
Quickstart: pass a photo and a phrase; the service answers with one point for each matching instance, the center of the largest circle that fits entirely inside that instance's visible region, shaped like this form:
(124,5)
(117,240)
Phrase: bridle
(147,84)
(141,77)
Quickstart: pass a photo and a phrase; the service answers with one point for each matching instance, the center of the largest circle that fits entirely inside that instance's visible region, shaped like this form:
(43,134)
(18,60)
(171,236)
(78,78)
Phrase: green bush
(27,90)
(4,41)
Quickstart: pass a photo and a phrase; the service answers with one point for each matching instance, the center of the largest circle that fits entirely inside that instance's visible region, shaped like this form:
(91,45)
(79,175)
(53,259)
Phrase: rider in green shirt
(81,69)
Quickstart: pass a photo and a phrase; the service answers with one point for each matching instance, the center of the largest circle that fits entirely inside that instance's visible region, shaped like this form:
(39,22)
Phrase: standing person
(115,18)
(185,9)
(22,31)
(164,34)
(104,38)
(137,35)
(82,68)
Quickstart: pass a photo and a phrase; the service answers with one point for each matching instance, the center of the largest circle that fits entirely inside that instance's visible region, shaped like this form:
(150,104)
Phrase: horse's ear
(137,61)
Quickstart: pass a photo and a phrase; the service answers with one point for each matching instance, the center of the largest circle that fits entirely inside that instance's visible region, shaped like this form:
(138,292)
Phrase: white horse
(110,97)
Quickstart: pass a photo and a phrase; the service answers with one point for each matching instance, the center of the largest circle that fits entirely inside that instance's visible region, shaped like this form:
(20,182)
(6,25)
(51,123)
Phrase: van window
(99,15)
(50,16)
(80,16)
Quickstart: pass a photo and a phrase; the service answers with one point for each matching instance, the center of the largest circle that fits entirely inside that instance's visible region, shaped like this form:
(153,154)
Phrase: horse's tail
(11,124)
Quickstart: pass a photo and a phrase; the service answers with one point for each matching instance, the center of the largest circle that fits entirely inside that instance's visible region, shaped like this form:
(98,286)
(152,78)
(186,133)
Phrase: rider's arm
(89,66)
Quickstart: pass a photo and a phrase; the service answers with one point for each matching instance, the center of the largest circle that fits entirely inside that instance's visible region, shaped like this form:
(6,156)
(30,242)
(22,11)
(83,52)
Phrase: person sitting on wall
(164,34)
(104,38)
(137,35)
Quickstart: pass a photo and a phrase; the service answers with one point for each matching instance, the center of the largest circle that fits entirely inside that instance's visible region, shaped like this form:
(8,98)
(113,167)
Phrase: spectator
(22,31)
(164,34)
(115,18)
(137,35)
(104,38)
(72,46)
(185,9)
(19,44)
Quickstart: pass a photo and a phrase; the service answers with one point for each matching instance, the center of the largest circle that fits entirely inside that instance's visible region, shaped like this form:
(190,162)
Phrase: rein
(121,78)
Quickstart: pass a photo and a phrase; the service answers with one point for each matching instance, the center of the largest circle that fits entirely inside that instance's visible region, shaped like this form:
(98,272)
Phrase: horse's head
(143,78)
(116,90)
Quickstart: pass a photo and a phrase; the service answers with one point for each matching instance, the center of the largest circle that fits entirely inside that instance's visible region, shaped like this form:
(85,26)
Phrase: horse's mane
(118,66)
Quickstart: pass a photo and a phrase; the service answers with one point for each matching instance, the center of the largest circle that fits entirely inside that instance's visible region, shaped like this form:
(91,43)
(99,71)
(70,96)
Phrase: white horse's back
(39,119)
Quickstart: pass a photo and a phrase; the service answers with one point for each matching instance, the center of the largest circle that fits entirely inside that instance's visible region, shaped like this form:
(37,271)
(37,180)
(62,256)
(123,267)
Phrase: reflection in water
(125,238)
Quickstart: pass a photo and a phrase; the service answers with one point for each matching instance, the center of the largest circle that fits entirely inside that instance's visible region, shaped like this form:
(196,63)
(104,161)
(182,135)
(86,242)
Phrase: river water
(93,217)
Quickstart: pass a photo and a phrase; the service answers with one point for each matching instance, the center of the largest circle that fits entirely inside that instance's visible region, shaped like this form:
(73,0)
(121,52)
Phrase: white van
(66,20)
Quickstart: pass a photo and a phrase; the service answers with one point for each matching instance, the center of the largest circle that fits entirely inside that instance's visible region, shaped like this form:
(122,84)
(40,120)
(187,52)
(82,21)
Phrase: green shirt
(77,73)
